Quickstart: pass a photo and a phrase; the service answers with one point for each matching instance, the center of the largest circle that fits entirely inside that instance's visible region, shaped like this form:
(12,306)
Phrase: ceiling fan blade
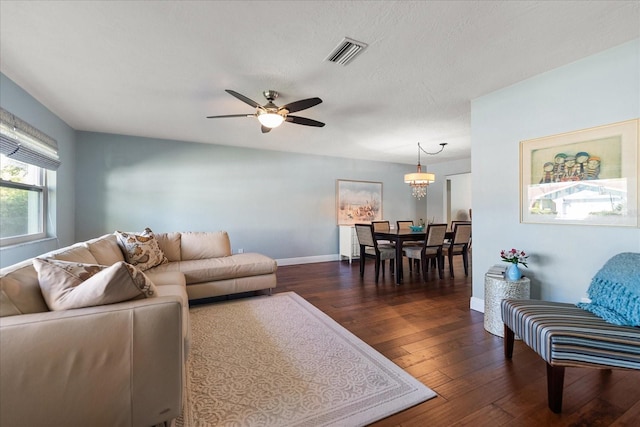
(265,129)
(231,115)
(243,98)
(301,105)
(304,121)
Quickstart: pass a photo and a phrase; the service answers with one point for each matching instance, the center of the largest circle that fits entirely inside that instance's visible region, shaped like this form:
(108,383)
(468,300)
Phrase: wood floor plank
(629,418)
(429,331)
(487,416)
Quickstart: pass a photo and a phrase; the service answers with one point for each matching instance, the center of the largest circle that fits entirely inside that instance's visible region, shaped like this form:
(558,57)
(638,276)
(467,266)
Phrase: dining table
(399,236)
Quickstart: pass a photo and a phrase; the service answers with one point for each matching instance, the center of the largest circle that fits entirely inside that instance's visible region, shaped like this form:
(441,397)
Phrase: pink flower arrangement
(514,256)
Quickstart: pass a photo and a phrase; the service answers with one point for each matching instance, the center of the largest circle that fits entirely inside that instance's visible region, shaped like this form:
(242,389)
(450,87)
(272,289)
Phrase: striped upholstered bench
(565,335)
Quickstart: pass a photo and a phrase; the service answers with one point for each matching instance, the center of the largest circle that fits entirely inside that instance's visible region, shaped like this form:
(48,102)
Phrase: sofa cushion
(141,249)
(75,253)
(21,291)
(67,285)
(7,307)
(165,278)
(231,267)
(204,245)
(16,298)
(105,249)
(169,243)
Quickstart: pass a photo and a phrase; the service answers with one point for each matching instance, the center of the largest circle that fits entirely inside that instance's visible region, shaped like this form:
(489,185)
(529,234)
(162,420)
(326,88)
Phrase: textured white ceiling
(157,68)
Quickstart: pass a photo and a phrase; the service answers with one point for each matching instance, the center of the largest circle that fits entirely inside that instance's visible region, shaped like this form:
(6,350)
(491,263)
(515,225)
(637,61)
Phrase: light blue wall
(280,204)
(598,90)
(61,220)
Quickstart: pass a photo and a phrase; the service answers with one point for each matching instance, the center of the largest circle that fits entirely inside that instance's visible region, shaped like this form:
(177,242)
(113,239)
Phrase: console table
(495,290)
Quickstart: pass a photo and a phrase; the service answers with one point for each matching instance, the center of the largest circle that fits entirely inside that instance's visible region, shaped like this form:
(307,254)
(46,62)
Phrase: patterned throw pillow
(66,285)
(141,249)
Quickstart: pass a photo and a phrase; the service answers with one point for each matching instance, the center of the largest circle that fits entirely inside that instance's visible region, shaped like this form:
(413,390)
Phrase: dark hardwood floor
(429,331)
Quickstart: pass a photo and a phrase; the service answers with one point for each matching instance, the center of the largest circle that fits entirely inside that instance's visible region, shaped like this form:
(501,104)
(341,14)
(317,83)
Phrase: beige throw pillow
(66,285)
(141,249)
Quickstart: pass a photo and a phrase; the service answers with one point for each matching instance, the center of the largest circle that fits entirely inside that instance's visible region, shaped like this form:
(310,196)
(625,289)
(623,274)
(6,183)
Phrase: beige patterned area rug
(279,361)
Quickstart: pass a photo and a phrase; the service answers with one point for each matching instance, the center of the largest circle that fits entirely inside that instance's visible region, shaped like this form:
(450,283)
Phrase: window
(25,154)
(23,201)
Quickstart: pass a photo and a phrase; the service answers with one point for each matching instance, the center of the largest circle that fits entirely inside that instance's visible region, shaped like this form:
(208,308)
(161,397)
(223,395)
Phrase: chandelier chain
(442,145)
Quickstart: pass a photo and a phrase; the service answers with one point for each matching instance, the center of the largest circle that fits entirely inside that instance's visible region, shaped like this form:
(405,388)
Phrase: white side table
(495,290)
(349,245)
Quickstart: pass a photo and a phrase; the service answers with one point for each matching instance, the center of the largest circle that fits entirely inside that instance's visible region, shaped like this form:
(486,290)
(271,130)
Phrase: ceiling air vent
(346,51)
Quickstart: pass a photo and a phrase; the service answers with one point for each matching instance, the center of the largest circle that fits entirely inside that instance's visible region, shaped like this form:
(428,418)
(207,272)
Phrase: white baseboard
(477,304)
(308,259)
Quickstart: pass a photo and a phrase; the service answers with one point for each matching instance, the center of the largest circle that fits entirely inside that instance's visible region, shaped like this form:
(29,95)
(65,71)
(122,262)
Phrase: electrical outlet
(240,251)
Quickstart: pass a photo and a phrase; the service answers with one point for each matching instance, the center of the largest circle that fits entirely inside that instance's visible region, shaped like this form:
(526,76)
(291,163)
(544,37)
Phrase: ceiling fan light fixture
(270,115)
(270,120)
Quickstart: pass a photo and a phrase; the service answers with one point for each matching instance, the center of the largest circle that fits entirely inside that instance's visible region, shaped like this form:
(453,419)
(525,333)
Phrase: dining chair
(430,250)
(459,245)
(454,223)
(370,248)
(404,224)
(453,226)
(383,225)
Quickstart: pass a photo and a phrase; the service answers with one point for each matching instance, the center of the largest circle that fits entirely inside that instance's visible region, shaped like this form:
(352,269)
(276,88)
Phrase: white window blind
(21,141)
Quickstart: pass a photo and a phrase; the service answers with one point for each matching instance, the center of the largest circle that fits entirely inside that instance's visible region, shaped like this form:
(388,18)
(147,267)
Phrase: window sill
(30,243)
(13,254)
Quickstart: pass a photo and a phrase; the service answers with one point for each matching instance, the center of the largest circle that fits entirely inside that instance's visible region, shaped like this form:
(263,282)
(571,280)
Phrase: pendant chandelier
(419,181)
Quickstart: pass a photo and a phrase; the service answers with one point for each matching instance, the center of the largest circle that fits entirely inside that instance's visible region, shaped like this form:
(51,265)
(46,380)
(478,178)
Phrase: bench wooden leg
(555,383)
(509,338)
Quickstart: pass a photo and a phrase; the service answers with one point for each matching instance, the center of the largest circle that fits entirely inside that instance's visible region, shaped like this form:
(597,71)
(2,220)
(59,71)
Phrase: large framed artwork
(358,201)
(587,177)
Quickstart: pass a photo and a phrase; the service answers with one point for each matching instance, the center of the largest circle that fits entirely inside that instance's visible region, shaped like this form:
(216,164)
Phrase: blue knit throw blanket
(615,291)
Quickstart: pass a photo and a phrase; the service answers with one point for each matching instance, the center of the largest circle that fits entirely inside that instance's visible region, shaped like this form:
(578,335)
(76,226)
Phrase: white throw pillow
(141,249)
(66,285)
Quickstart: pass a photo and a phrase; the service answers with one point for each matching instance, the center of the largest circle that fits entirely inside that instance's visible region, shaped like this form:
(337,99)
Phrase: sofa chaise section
(209,267)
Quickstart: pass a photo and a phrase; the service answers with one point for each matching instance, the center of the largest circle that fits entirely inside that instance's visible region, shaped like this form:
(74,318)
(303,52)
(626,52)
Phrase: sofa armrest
(119,364)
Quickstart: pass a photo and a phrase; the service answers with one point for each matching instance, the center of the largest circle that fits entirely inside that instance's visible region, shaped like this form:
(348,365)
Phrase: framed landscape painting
(358,201)
(587,177)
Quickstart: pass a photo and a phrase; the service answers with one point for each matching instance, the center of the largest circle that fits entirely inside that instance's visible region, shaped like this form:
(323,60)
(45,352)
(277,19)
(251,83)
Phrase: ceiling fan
(270,115)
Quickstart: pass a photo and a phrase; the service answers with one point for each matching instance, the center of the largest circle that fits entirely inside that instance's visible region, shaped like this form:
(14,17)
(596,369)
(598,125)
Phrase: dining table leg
(399,268)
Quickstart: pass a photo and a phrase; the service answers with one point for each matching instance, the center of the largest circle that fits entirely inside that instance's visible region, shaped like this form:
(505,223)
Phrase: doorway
(457,198)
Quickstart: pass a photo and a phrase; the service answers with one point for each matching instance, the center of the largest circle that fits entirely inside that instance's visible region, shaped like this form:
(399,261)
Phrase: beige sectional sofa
(112,364)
